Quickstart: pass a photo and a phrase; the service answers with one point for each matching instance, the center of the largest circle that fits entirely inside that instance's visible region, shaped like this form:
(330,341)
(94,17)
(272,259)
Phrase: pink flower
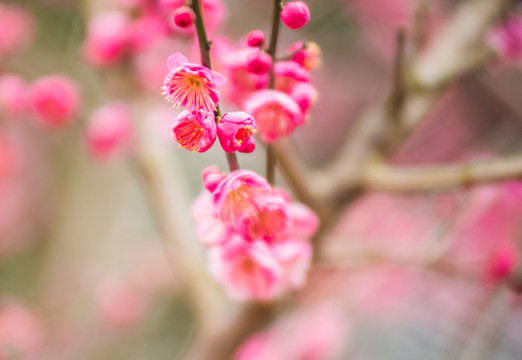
(247,270)
(288,74)
(195,131)
(291,336)
(210,230)
(303,221)
(295,257)
(107,38)
(212,176)
(239,197)
(255,38)
(259,63)
(295,14)
(269,223)
(183,17)
(304,94)
(277,114)
(507,39)
(17,29)
(55,100)
(308,54)
(145,31)
(13,94)
(191,86)
(109,132)
(242,82)
(21,332)
(235,130)
(502,263)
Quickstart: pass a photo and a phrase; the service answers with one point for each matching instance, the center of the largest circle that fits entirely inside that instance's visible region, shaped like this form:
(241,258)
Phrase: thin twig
(204,51)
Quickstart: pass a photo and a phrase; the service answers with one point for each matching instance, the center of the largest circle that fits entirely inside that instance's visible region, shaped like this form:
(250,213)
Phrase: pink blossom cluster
(53,101)
(258,238)
(131,27)
(193,87)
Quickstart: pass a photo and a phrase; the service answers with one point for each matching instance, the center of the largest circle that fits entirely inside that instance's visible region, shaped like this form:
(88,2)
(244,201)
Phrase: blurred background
(84,273)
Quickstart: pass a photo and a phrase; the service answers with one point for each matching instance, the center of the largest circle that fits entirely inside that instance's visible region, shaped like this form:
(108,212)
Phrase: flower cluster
(193,87)
(258,238)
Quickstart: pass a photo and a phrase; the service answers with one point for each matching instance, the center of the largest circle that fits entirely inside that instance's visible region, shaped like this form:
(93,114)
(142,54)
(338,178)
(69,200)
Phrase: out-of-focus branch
(457,50)
(485,333)
(417,178)
(271,158)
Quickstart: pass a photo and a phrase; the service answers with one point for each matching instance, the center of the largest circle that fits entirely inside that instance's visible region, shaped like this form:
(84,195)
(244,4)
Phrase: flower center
(244,133)
(188,134)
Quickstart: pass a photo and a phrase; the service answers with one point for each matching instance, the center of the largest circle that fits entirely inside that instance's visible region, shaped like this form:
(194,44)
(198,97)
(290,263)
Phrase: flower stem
(272,48)
(204,51)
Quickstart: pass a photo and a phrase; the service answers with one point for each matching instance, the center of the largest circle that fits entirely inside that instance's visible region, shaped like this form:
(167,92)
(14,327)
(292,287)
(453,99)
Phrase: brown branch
(204,51)
(380,176)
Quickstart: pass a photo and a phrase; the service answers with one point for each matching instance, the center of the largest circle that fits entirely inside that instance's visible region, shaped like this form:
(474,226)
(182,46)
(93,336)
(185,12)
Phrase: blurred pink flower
(277,114)
(183,16)
(305,95)
(248,270)
(288,74)
(21,333)
(242,82)
(295,14)
(239,197)
(303,222)
(235,130)
(107,39)
(109,131)
(191,86)
(270,221)
(255,38)
(212,176)
(210,230)
(195,131)
(17,29)
(145,31)
(13,94)
(259,62)
(214,11)
(506,38)
(295,258)
(55,100)
(307,54)
(290,337)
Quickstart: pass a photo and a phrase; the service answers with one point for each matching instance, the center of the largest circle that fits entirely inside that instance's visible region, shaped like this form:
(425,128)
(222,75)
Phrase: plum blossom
(107,38)
(307,54)
(277,114)
(195,131)
(255,38)
(55,100)
(288,74)
(239,196)
(191,86)
(506,39)
(259,63)
(248,270)
(109,131)
(17,29)
(235,130)
(13,94)
(210,230)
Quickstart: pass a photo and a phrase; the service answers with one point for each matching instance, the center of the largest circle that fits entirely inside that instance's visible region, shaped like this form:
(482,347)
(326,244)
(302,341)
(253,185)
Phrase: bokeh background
(84,273)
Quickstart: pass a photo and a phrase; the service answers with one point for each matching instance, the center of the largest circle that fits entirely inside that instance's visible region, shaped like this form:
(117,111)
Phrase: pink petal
(175,60)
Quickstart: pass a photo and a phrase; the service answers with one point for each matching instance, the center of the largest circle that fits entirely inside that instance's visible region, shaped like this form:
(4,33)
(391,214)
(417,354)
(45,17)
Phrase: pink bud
(195,131)
(55,100)
(295,14)
(307,55)
(109,131)
(212,176)
(183,17)
(235,132)
(13,94)
(107,38)
(256,38)
(259,63)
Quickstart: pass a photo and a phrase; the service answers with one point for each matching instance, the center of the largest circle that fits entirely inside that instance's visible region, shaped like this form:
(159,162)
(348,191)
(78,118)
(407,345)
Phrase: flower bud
(256,38)
(183,17)
(295,14)
(259,63)
(235,132)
